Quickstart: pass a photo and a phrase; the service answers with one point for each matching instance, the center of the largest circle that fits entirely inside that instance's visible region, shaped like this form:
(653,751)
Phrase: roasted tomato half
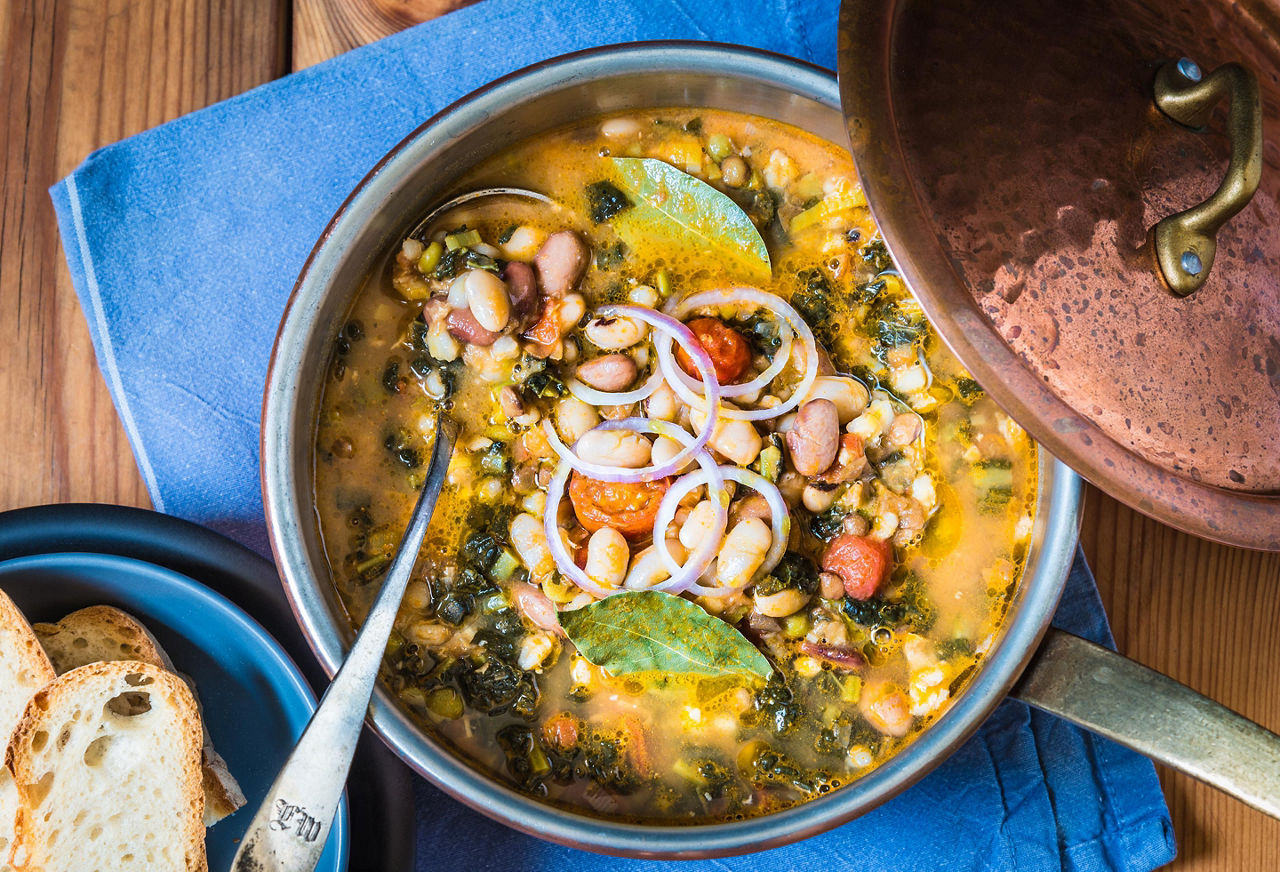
(628,507)
(728,349)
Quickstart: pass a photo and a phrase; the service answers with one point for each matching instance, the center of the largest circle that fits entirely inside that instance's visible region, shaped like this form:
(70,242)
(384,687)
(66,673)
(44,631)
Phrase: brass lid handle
(1187,241)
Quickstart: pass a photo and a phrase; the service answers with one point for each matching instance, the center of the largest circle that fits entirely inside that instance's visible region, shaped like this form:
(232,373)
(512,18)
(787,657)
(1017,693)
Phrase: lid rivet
(1191,264)
(1190,69)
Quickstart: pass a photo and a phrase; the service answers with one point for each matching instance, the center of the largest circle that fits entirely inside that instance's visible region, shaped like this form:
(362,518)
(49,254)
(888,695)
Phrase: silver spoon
(476,195)
(292,825)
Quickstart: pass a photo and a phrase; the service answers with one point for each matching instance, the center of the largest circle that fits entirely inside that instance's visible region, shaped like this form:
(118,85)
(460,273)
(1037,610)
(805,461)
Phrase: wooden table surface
(80,74)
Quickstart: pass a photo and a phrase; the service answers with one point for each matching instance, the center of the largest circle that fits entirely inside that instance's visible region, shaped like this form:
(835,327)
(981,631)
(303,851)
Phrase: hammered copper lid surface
(1015,159)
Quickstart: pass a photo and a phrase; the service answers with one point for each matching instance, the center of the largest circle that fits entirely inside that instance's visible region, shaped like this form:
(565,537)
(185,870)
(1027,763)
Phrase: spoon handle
(292,825)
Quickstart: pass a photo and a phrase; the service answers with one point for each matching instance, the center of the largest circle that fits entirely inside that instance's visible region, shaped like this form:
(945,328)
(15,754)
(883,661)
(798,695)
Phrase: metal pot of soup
(734,548)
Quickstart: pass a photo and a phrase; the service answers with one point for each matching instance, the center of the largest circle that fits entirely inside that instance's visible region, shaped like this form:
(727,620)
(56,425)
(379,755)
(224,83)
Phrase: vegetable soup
(727,525)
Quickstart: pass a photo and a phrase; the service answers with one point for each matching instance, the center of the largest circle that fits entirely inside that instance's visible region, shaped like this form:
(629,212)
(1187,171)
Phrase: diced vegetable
(462,239)
(430,258)
(861,562)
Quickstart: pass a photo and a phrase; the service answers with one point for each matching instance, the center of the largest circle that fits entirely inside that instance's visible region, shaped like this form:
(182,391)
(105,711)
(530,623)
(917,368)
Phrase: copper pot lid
(1018,162)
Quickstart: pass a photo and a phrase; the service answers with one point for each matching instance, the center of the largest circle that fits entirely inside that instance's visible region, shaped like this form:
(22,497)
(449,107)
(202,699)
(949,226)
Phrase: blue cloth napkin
(183,244)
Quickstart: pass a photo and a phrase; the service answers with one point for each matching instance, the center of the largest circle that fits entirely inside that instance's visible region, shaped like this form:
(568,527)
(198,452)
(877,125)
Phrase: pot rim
(1049,558)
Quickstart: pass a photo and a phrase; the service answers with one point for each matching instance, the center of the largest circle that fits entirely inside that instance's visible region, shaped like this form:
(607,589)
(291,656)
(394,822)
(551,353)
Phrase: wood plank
(77,75)
(1206,615)
(324,28)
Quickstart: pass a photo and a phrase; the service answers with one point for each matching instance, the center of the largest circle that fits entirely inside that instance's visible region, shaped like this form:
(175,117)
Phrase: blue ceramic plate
(255,700)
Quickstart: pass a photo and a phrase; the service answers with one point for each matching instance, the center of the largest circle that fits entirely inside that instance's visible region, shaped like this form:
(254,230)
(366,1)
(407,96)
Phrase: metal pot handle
(1187,242)
(1111,695)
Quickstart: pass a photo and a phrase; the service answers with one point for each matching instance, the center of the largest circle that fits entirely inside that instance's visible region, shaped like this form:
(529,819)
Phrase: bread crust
(24,669)
(90,689)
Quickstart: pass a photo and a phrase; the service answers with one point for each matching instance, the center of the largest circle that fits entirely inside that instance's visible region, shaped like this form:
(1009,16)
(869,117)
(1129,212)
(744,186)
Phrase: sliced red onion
(684,336)
(595,397)
(564,560)
(738,296)
(780,523)
(697,563)
(555,495)
(678,307)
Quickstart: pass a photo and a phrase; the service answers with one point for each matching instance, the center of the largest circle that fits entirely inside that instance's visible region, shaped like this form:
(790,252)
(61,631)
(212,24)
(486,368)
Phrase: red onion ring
(737,296)
(596,397)
(681,577)
(685,338)
(697,563)
(555,495)
(564,561)
(780,523)
(679,307)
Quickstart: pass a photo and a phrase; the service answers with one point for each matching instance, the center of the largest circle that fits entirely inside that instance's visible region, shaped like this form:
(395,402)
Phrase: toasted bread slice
(98,634)
(103,634)
(106,760)
(24,669)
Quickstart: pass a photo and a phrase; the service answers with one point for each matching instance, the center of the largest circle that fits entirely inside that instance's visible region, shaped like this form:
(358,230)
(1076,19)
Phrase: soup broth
(829,584)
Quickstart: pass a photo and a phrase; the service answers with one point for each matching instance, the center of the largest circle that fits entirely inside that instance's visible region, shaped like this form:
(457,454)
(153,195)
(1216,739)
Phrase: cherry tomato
(862,563)
(730,354)
(628,507)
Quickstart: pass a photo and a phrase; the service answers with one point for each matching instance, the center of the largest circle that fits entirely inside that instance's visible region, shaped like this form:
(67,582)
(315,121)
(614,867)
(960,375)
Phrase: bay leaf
(649,631)
(690,213)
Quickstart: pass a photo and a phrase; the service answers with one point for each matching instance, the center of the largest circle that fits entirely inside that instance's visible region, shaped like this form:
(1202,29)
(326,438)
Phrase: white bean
(440,343)
(923,492)
(417,595)
(873,422)
(572,308)
(524,243)
(607,557)
(780,171)
(530,541)
(698,525)
(737,440)
(620,128)
(428,634)
(435,386)
(849,395)
(909,379)
(662,404)
(535,648)
(648,568)
(742,552)
(643,295)
(781,604)
(458,292)
(816,499)
(487,298)
(573,418)
(615,448)
(615,334)
(506,348)
(664,448)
